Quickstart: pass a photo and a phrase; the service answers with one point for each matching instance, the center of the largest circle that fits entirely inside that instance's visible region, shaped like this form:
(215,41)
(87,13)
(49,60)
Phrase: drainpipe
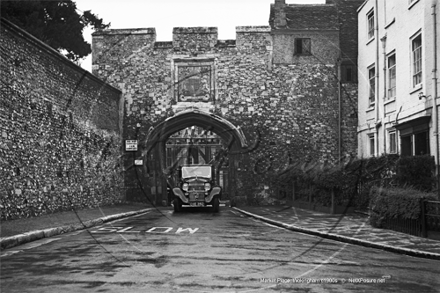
(434,98)
(376,16)
(340,113)
(384,45)
(395,122)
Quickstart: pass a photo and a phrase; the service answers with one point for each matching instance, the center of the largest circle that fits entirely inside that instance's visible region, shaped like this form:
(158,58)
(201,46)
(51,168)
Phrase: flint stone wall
(60,131)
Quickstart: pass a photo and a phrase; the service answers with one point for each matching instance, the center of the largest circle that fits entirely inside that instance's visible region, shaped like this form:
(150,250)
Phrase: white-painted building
(398,67)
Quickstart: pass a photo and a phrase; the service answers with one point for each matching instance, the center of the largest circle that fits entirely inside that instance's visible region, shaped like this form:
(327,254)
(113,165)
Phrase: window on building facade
(406,145)
(415,144)
(417,60)
(303,46)
(348,73)
(371,144)
(421,143)
(391,77)
(414,137)
(370,24)
(372,85)
(393,141)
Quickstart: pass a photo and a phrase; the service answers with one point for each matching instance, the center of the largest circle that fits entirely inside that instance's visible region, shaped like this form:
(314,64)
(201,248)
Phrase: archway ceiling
(230,133)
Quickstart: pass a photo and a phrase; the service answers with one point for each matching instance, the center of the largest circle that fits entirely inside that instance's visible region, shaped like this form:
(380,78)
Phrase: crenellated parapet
(110,45)
(113,43)
(255,37)
(194,38)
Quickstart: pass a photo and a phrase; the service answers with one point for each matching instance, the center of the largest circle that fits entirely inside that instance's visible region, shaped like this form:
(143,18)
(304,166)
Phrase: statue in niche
(194,84)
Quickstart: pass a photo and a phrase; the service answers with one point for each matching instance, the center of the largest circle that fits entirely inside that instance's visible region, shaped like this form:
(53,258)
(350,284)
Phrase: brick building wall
(59,132)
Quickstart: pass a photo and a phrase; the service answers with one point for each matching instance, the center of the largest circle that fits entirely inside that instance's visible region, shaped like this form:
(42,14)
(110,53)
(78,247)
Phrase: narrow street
(199,251)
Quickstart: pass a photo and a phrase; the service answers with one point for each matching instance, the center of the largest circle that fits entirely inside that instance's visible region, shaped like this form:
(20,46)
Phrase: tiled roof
(348,19)
(335,15)
(308,17)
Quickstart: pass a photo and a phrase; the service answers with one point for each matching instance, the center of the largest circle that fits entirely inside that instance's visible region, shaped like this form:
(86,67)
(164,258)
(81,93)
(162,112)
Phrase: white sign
(131,145)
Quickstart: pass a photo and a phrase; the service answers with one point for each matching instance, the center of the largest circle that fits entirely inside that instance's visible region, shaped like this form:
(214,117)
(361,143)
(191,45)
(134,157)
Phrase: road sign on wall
(131,145)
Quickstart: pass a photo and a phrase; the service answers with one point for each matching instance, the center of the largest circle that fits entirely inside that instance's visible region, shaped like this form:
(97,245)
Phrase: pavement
(21,231)
(349,228)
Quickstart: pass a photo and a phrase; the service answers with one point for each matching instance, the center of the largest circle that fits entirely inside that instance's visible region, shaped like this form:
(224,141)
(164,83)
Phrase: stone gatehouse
(284,92)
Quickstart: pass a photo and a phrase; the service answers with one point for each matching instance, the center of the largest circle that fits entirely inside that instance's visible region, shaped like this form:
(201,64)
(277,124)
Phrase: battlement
(179,33)
(195,30)
(252,29)
(192,39)
(131,31)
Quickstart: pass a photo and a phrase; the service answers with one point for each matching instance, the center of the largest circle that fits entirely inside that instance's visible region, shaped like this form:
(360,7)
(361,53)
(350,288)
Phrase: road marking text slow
(116,229)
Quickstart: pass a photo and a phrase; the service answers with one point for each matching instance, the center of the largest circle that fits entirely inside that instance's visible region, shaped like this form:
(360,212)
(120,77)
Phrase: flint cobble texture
(59,131)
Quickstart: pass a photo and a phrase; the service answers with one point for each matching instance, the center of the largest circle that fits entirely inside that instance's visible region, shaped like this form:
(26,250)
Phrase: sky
(164,15)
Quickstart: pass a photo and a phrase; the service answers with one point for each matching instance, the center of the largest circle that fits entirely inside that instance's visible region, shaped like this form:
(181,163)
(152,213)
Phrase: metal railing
(430,214)
(408,226)
(427,224)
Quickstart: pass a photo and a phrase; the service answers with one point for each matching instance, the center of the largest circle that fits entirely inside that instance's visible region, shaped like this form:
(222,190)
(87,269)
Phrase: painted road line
(11,252)
(129,217)
(30,246)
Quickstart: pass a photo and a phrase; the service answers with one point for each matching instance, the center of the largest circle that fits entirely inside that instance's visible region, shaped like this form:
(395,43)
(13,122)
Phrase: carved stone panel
(194,82)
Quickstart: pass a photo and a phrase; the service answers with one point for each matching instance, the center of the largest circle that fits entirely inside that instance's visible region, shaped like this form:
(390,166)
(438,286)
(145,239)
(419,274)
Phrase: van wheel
(216,205)
(177,205)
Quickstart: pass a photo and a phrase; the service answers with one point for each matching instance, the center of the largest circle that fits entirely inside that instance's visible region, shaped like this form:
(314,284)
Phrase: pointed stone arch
(155,143)
(231,134)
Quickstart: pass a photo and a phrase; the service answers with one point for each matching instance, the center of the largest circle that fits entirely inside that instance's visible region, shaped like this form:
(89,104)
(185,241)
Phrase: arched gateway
(233,141)
(230,133)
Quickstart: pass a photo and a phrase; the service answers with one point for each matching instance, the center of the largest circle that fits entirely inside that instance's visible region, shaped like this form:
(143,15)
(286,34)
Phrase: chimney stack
(280,14)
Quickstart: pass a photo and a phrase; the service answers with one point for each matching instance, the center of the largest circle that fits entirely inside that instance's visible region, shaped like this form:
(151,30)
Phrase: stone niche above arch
(194,82)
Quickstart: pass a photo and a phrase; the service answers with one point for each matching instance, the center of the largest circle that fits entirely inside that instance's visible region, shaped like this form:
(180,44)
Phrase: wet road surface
(199,251)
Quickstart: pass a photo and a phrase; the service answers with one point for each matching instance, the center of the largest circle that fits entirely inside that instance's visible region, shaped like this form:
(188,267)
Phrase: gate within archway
(197,146)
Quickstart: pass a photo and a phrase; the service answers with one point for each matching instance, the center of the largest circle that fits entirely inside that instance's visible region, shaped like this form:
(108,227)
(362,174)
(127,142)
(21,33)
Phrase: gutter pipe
(376,16)
(435,93)
(340,113)
(384,45)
